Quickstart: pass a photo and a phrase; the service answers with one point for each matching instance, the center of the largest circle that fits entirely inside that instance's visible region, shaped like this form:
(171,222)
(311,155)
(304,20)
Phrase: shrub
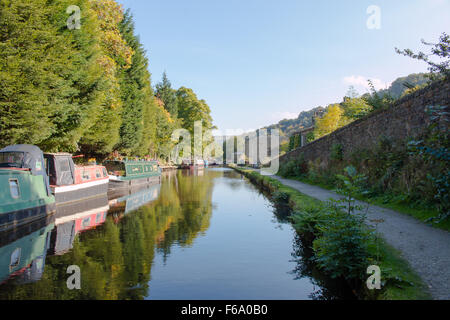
(294,168)
(337,152)
(307,221)
(281,198)
(435,150)
(342,250)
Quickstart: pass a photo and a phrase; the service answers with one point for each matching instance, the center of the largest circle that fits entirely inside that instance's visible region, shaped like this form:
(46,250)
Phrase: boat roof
(59,154)
(131,161)
(26,148)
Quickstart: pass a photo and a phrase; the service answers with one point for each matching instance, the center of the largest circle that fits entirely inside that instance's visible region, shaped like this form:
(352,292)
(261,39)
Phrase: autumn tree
(332,120)
(103,134)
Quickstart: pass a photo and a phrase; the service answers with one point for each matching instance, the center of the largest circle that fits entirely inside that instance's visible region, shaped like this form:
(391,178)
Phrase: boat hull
(21,217)
(79,192)
(120,185)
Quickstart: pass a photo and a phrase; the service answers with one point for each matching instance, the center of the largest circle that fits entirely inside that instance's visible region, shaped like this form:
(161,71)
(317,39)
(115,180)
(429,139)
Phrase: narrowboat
(25,192)
(71,183)
(192,165)
(126,174)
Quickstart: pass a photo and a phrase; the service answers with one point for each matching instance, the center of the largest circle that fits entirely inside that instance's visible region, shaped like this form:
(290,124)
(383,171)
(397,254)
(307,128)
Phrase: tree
(440,50)
(167,95)
(355,108)
(332,120)
(50,82)
(133,84)
(382,100)
(191,109)
(103,133)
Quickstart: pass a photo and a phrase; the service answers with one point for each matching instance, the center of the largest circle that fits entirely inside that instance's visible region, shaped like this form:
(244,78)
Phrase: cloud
(361,82)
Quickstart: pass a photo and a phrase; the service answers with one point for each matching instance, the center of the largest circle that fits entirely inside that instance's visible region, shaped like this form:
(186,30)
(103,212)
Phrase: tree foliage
(355,108)
(167,95)
(86,90)
(333,119)
(440,50)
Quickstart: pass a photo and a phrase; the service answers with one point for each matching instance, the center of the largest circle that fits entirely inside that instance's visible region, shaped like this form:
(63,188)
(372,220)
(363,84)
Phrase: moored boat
(71,183)
(126,174)
(192,165)
(25,193)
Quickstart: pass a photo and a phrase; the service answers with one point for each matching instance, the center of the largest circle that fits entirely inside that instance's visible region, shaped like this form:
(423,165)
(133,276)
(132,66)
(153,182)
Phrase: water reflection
(23,252)
(72,219)
(201,234)
(325,287)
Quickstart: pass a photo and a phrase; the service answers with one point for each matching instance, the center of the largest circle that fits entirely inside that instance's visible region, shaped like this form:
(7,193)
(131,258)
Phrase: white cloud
(360,82)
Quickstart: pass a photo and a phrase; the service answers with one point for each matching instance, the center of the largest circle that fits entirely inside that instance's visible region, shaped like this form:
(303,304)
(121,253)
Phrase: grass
(402,283)
(408,285)
(418,212)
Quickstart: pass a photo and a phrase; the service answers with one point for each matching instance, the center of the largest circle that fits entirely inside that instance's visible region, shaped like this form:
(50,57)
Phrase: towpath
(427,249)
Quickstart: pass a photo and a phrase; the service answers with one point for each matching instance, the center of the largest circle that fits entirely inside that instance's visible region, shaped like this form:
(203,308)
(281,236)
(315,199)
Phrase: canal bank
(399,280)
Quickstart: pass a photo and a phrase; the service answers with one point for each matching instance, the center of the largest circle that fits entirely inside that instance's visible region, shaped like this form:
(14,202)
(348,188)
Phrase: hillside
(304,120)
(288,126)
(399,86)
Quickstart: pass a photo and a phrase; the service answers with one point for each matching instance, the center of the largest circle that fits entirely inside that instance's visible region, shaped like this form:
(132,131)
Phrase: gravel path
(427,249)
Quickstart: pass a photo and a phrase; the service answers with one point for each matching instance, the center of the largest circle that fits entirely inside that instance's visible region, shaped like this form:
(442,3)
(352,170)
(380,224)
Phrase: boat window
(115,167)
(86,223)
(86,175)
(11,159)
(15,258)
(64,165)
(98,173)
(98,218)
(135,169)
(14,188)
(105,174)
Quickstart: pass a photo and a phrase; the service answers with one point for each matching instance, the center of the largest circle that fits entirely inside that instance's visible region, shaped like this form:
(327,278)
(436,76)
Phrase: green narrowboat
(126,174)
(25,192)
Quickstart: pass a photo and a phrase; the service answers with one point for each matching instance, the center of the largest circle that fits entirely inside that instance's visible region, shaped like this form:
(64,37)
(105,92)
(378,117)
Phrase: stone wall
(407,118)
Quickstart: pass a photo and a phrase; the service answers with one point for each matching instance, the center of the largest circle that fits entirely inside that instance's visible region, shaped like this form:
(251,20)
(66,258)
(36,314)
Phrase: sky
(256,62)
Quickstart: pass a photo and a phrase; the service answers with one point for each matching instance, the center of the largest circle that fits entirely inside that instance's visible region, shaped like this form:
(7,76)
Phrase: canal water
(206,234)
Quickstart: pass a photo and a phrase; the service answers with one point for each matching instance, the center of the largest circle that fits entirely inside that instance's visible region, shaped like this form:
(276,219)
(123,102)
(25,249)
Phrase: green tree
(133,84)
(167,95)
(48,88)
(355,108)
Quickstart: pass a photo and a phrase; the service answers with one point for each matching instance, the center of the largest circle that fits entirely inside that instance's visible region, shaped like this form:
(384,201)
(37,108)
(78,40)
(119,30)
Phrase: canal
(199,235)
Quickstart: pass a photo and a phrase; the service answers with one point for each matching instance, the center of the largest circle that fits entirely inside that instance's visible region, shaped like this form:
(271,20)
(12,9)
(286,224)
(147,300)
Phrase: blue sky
(256,62)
